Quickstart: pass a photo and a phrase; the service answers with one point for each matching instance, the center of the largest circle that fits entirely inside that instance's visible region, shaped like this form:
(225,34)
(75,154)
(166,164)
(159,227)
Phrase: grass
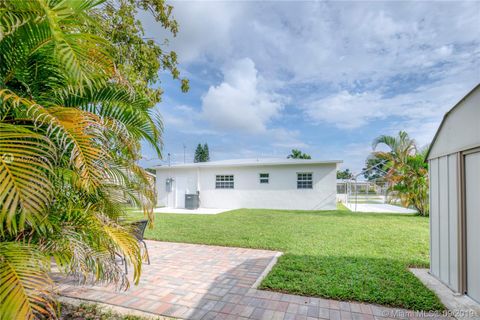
(333,254)
(341,207)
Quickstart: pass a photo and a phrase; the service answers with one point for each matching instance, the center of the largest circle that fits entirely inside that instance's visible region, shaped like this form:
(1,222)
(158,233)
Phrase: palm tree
(407,172)
(70,134)
(298,154)
(401,146)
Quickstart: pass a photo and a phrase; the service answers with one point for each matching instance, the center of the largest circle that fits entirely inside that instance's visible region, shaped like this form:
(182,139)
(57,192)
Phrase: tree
(401,146)
(71,123)
(344,174)
(375,168)
(297,154)
(201,153)
(407,173)
(198,154)
(206,153)
(138,60)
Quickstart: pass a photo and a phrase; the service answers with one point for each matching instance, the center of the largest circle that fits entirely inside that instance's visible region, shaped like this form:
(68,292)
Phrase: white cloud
(204,29)
(389,65)
(241,102)
(185,119)
(418,107)
(346,110)
(327,41)
(283,138)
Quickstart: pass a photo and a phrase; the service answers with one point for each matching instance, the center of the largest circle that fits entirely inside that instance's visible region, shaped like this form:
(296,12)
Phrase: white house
(454,164)
(262,183)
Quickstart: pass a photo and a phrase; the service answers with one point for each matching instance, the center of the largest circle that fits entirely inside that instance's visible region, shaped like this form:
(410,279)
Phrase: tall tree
(198,154)
(297,154)
(71,125)
(206,153)
(202,154)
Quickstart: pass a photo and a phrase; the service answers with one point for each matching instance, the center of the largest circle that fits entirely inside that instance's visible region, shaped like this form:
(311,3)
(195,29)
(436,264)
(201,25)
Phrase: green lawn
(333,254)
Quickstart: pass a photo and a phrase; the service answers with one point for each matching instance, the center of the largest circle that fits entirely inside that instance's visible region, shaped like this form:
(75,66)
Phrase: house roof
(477,87)
(248,163)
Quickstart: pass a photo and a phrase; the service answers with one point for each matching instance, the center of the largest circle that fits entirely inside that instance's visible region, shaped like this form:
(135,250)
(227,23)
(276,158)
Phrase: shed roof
(446,116)
(248,163)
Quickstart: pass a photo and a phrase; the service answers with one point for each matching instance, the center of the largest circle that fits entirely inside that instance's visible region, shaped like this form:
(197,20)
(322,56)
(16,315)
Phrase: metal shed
(454,165)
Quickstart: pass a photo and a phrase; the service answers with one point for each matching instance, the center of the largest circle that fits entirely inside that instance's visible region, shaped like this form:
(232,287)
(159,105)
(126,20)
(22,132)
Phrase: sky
(323,77)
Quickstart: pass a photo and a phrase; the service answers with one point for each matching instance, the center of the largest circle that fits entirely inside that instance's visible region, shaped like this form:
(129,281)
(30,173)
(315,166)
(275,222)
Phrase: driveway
(210,282)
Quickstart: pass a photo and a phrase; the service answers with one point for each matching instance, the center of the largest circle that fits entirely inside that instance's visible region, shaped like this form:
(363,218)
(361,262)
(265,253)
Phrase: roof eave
(208,165)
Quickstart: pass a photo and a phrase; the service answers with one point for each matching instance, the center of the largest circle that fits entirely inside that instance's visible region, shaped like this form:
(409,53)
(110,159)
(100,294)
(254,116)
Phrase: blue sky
(324,77)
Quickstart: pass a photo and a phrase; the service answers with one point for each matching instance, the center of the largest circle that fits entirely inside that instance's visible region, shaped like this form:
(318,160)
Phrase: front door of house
(472,221)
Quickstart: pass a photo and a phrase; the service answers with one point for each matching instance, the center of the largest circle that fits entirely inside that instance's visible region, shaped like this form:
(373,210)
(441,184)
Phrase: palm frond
(10,21)
(25,191)
(74,130)
(25,287)
(113,103)
(124,243)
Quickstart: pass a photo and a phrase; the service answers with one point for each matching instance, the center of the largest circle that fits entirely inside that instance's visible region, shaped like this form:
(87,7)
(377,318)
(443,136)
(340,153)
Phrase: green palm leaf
(25,288)
(25,162)
(74,130)
(124,110)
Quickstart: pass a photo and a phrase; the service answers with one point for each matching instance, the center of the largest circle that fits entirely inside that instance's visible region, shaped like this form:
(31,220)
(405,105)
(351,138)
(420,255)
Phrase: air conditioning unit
(192,201)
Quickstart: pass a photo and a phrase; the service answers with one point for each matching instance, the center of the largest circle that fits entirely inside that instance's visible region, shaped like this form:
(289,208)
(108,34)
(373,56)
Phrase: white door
(472,207)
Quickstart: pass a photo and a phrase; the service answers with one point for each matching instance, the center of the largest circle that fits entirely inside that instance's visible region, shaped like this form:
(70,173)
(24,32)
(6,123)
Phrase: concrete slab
(460,306)
(378,207)
(188,211)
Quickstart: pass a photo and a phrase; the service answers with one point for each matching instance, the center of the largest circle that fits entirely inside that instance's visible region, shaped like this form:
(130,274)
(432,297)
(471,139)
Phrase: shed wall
(444,219)
(461,128)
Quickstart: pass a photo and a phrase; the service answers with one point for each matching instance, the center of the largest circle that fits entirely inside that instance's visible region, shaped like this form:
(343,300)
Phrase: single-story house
(257,183)
(454,165)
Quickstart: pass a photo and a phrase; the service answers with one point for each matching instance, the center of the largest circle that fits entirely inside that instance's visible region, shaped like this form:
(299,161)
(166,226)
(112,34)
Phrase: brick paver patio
(210,282)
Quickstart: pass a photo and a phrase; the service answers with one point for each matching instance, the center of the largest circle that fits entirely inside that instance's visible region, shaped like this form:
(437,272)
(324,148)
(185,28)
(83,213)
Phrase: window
(264,177)
(304,181)
(224,182)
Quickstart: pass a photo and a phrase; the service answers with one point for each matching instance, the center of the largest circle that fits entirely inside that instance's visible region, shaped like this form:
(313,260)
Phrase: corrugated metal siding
(453,219)
(434,219)
(444,219)
(472,210)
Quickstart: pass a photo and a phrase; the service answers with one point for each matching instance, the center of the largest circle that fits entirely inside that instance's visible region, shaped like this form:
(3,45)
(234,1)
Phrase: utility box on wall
(168,184)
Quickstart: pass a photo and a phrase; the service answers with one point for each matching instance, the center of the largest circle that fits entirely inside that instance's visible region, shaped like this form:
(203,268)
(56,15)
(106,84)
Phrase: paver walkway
(210,282)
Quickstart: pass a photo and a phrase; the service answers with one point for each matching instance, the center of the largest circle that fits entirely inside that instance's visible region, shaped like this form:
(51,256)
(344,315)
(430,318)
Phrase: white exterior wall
(185,181)
(444,220)
(280,193)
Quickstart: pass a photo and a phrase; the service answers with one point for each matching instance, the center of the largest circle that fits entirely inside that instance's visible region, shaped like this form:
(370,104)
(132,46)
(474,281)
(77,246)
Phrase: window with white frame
(304,180)
(224,181)
(264,178)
